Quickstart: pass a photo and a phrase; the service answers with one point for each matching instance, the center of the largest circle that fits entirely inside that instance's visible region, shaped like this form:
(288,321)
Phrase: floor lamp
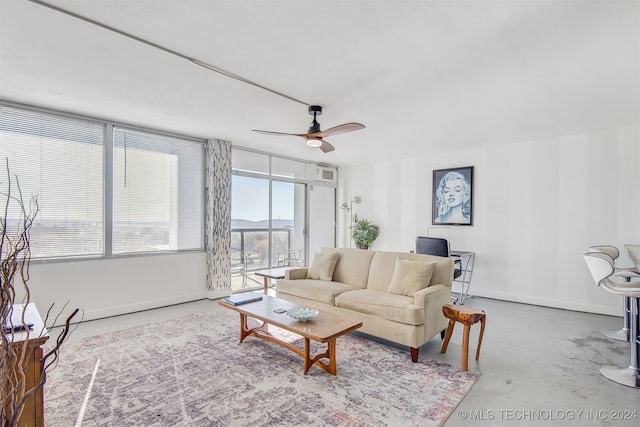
(354,216)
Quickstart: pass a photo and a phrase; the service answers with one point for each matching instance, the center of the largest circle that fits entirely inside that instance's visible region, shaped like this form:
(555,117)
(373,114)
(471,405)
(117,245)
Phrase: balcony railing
(254,242)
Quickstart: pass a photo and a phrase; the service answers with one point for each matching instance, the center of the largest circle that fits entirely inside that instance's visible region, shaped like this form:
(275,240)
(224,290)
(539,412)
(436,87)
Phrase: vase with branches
(19,351)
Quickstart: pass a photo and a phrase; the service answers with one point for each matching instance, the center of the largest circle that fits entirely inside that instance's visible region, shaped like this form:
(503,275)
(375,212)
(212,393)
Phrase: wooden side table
(272,273)
(467,316)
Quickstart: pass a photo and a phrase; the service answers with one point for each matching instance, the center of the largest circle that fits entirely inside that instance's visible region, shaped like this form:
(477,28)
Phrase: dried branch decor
(17,355)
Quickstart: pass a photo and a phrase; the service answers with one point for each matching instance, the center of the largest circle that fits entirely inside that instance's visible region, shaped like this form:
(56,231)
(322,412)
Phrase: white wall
(538,206)
(107,287)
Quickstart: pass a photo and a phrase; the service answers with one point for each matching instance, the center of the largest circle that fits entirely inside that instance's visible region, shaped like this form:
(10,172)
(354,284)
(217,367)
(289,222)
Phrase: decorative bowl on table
(302,314)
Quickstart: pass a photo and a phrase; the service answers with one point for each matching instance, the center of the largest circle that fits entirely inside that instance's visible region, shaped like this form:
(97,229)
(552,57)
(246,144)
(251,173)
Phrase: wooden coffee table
(324,328)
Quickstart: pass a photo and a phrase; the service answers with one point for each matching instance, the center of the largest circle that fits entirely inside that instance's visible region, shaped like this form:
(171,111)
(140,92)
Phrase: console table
(467,259)
(33,411)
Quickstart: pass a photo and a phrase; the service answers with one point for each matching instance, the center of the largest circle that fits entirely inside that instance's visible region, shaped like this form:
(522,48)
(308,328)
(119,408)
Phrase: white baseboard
(143,305)
(547,302)
(219,293)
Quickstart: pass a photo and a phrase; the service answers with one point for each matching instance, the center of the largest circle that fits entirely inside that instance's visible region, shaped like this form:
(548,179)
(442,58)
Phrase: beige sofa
(392,293)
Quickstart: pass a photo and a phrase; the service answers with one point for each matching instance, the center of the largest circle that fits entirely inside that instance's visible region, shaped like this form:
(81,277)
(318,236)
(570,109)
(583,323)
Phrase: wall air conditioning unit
(324,174)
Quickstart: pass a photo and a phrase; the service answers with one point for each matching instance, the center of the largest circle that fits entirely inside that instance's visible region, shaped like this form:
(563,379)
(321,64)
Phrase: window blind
(157,192)
(57,160)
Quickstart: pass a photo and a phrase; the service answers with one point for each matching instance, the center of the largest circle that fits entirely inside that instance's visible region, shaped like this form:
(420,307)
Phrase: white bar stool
(627,273)
(602,268)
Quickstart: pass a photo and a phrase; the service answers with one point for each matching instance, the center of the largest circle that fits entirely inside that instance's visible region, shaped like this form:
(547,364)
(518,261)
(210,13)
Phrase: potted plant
(364,233)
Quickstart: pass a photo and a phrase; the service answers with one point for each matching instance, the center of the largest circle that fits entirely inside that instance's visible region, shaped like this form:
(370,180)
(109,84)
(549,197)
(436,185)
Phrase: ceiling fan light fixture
(314,142)
(315,135)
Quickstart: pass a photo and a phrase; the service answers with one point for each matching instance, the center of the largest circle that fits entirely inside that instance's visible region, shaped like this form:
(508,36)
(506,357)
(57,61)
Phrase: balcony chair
(439,247)
(290,258)
(627,273)
(239,265)
(602,269)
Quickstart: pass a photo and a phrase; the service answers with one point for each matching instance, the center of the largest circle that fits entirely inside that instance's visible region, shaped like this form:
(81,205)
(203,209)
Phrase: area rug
(192,372)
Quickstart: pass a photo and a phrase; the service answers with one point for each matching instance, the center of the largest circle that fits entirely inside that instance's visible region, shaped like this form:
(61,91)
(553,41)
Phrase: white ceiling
(423,76)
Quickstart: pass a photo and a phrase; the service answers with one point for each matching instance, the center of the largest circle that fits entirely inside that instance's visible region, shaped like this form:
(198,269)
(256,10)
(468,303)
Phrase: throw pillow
(322,265)
(411,276)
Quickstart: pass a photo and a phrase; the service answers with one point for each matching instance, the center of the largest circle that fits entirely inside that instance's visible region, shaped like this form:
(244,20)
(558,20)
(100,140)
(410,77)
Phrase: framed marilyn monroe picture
(452,196)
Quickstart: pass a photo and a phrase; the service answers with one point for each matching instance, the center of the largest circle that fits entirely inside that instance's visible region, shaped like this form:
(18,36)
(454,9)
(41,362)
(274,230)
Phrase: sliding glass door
(250,220)
(288,229)
(270,201)
(251,224)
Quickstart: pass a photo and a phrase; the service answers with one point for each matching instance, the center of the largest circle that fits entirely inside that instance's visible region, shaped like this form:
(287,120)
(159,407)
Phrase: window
(269,217)
(250,219)
(287,222)
(157,198)
(157,192)
(59,161)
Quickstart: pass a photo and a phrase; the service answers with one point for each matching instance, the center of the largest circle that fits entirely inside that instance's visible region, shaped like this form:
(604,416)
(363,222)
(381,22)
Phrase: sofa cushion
(383,266)
(411,276)
(397,308)
(322,265)
(316,290)
(353,266)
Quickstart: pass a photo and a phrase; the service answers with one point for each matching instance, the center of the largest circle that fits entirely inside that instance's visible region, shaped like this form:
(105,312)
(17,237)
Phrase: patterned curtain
(218,218)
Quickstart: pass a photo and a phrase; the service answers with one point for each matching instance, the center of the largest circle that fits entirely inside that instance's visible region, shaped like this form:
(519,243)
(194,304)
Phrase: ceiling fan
(314,135)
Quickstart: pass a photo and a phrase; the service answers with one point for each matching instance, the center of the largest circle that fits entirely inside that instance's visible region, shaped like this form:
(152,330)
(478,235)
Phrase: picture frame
(452,196)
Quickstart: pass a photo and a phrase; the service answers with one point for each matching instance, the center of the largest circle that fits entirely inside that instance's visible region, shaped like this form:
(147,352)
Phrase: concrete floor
(540,366)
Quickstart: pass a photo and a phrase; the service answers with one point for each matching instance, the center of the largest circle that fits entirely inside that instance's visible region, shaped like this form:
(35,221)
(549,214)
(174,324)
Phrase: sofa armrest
(296,273)
(437,291)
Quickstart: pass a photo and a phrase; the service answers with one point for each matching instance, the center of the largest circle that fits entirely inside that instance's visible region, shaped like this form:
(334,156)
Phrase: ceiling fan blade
(326,147)
(268,132)
(344,128)
(315,136)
